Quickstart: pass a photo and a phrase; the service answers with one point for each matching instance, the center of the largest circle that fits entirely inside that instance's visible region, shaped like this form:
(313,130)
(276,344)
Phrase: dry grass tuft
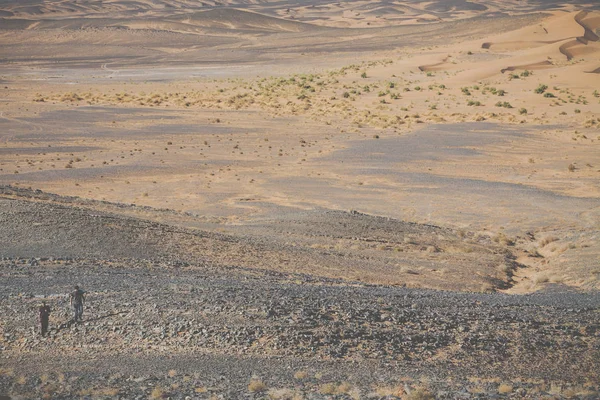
(328,388)
(300,375)
(505,388)
(158,393)
(420,394)
(257,386)
(284,394)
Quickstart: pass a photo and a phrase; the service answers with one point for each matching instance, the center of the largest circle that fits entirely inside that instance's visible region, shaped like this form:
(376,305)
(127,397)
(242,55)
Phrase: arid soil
(301,199)
(161,321)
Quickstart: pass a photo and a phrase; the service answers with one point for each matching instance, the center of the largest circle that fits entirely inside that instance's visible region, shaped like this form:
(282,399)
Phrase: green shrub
(541,89)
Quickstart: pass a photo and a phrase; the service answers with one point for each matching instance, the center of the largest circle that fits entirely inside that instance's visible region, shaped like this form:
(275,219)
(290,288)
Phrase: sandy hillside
(471,122)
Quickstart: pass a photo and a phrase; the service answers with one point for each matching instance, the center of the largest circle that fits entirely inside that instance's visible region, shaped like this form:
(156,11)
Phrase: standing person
(77,298)
(44,311)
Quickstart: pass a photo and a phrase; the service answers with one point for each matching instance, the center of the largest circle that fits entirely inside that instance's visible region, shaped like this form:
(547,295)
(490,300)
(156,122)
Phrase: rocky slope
(159,323)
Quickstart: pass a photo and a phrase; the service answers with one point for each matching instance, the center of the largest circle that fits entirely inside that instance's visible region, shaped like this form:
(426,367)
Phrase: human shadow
(72,321)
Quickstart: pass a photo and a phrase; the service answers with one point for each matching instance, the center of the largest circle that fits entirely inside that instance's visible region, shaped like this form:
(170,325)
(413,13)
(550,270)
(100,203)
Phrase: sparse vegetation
(541,89)
(257,386)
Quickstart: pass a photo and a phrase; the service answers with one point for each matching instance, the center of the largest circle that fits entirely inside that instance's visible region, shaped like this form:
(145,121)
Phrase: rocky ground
(159,324)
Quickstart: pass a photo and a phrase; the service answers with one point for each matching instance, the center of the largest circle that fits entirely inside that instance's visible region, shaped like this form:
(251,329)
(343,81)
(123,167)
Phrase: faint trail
(34,127)
(113,72)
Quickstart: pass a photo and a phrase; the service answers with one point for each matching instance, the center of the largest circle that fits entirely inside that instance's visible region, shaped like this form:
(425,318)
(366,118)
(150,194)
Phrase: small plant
(526,73)
(346,95)
(328,388)
(571,168)
(522,111)
(417,88)
(301,375)
(501,92)
(504,104)
(466,91)
(158,393)
(474,103)
(363,75)
(257,386)
(577,111)
(549,95)
(541,89)
(505,388)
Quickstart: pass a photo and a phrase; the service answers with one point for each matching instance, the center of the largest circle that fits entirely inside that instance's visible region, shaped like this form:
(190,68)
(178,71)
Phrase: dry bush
(301,375)
(158,393)
(257,386)
(420,394)
(328,388)
(502,239)
(344,388)
(505,388)
(284,394)
(384,391)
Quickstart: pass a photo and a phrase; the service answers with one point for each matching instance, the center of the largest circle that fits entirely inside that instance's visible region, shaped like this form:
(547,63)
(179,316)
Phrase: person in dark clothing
(44,311)
(77,298)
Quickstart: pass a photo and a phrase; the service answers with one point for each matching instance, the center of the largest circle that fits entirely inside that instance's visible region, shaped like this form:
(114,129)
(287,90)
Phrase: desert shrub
(257,386)
(541,89)
(571,168)
(420,394)
(549,95)
(301,375)
(522,111)
(505,388)
(158,393)
(363,75)
(328,388)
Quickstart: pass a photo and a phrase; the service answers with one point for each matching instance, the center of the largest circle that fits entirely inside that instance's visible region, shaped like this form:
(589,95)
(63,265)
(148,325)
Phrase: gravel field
(161,323)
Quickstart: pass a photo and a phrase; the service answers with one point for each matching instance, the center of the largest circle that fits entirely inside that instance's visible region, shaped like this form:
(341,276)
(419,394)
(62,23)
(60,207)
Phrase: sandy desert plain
(300,199)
